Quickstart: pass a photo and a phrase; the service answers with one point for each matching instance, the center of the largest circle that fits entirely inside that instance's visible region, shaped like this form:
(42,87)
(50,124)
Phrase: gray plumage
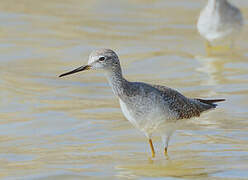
(150,108)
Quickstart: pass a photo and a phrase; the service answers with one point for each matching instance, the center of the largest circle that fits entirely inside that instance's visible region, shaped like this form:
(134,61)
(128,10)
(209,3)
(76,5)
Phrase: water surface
(72,128)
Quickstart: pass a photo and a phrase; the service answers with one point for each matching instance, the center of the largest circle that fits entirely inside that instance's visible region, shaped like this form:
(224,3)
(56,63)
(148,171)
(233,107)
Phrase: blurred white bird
(220,21)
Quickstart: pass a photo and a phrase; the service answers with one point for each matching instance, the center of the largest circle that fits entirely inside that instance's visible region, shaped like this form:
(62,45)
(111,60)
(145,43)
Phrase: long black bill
(82,68)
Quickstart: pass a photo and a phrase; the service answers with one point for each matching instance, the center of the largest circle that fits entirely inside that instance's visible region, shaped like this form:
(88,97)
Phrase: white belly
(214,28)
(147,123)
(128,114)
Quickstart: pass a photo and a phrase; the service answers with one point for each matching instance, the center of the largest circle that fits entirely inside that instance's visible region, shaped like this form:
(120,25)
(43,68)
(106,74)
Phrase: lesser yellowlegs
(150,108)
(219,22)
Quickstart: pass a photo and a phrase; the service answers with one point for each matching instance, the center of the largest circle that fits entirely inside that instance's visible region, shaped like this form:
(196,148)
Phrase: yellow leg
(166,152)
(152,148)
(166,139)
(208,45)
(208,48)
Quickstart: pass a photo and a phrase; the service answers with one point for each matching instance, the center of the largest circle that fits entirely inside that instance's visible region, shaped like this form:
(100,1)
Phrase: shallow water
(72,128)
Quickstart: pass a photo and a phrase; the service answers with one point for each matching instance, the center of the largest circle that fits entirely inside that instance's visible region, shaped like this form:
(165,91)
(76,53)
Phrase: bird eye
(101,58)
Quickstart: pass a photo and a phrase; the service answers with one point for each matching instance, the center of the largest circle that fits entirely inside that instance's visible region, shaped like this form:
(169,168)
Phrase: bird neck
(116,80)
(214,4)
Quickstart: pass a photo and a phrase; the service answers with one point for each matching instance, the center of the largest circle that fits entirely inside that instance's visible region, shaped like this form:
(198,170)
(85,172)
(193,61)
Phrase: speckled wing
(185,107)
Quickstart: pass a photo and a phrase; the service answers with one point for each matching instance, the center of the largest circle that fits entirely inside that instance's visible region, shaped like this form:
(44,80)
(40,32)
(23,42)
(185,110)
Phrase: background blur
(73,128)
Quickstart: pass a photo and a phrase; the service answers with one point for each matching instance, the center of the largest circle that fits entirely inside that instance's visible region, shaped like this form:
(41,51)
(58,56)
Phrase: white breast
(219,24)
(147,123)
(128,114)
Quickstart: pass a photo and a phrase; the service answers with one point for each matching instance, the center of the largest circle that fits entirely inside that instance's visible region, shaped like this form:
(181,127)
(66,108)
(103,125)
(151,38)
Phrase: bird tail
(210,102)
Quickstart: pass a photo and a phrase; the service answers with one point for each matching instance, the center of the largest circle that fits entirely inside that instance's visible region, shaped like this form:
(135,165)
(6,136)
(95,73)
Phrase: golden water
(72,127)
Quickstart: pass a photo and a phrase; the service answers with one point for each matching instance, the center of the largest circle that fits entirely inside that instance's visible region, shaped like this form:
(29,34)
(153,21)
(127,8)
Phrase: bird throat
(116,80)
